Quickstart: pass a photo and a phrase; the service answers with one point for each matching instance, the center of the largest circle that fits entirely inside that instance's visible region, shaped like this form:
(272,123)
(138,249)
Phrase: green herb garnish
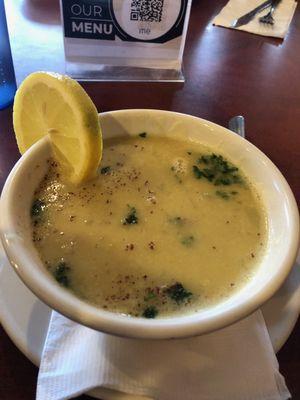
(61,274)
(37,208)
(187,241)
(217,170)
(197,172)
(151,295)
(178,293)
(105,170)
(131,217)
(150,312)
(218,161)
(143,135)
(222,194)
(223,181)
(225,195)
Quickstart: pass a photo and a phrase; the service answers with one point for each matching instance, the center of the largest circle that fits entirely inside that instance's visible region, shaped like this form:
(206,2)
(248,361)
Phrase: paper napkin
(236,363)
(236,8)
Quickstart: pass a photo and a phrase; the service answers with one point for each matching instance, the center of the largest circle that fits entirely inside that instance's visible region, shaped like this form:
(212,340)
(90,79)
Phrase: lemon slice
(56,105)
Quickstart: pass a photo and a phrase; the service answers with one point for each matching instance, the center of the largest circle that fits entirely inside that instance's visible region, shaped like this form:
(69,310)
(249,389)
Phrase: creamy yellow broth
(166,228)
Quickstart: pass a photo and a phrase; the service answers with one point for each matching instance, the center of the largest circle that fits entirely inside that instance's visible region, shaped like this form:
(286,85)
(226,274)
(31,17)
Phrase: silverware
(268,18)
(237,125)
(245,19)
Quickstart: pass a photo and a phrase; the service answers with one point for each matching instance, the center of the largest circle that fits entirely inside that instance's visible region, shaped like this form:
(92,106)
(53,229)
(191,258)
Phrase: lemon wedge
(56,105)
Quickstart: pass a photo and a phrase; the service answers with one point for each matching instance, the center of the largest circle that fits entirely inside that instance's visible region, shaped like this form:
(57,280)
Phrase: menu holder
(125,40)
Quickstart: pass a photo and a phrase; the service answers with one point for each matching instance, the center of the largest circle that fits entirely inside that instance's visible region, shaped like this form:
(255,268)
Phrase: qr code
(146,10)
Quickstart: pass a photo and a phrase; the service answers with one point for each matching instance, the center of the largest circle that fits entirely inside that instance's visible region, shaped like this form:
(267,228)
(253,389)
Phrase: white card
(125,33)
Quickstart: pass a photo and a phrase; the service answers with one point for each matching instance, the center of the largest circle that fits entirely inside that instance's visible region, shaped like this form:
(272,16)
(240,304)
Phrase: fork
(268,18)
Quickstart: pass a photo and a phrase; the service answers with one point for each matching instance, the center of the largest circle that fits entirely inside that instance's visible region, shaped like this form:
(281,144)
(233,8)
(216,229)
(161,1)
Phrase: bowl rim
(69,305)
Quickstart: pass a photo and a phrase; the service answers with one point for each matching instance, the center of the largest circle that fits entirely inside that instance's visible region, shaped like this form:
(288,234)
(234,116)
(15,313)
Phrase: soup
(167,228)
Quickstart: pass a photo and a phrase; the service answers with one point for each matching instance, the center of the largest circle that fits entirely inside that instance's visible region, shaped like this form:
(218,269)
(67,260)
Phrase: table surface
(227,73)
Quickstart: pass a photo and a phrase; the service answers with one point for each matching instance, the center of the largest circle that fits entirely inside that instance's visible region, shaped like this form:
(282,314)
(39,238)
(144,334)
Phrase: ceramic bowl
(279,202)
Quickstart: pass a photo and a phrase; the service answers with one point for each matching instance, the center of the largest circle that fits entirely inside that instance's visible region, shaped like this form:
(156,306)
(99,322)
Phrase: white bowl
(281,210)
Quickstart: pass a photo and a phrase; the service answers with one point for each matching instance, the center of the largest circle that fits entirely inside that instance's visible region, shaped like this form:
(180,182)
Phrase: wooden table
(227,73)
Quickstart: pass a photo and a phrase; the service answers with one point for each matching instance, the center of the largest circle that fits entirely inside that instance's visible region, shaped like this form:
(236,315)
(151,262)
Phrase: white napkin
(236,363)
(236,8)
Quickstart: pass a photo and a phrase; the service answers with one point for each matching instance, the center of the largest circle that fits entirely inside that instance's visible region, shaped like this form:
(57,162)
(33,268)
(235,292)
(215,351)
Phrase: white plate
(25,318)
